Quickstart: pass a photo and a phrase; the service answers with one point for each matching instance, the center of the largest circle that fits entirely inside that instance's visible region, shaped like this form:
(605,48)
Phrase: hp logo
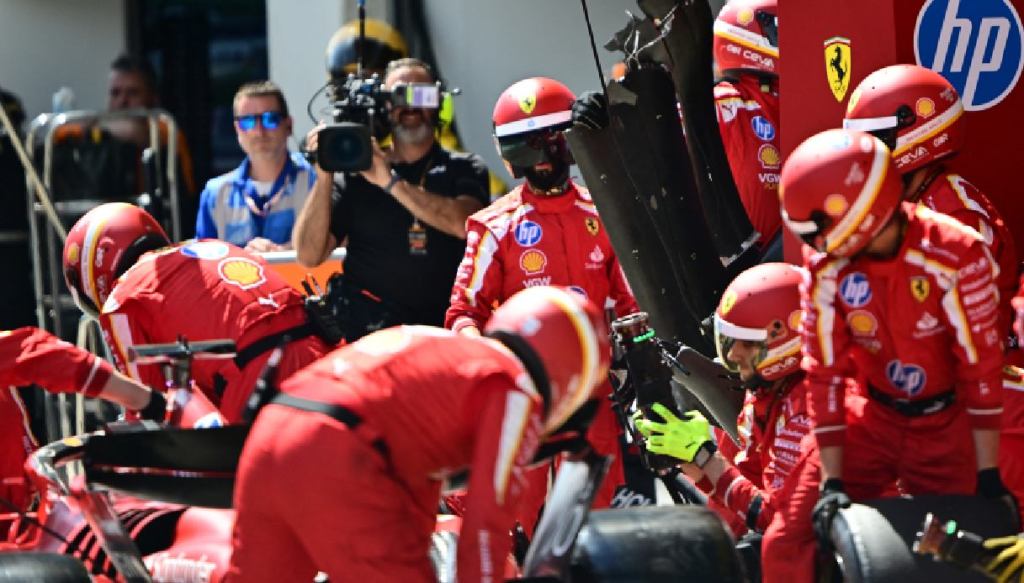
(763,128)
(975,44)
(909,378)
(528,233)
(855,290)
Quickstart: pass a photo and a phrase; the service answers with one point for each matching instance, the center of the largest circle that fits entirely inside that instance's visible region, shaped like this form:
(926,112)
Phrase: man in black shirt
(402,221)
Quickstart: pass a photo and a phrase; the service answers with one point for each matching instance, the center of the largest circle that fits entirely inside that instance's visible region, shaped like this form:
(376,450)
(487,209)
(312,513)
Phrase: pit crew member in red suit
(746,51)
(342,471)
(919,115)
(909,296)
(546,231)
(121,268)
(33,356)
(757,332)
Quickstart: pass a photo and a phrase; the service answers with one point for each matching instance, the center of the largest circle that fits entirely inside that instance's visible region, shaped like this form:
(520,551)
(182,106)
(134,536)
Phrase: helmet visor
(769,27)
(728,334)
(527,150)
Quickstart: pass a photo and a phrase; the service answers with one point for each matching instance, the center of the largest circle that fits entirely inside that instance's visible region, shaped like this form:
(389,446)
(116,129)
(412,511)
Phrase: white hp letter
(978,63)
(949,23)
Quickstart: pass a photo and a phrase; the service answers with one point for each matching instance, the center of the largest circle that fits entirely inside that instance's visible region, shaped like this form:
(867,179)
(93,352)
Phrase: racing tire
(873,540)
(655,543)
(50,567)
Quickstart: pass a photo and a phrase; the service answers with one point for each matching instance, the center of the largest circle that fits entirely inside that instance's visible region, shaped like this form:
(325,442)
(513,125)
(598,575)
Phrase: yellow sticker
(73,253)
(925,107)
(795,317)
(862,323)
(533,261)
(241,271)
(728,301)
(835,205)
(837,66)
(920,287)
(527,103)
(745,16)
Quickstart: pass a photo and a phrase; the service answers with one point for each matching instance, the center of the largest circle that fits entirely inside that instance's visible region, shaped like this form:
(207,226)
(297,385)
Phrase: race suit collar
(551,204)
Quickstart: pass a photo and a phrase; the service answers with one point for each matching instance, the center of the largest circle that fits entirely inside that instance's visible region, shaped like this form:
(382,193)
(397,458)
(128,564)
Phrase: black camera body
(360,112)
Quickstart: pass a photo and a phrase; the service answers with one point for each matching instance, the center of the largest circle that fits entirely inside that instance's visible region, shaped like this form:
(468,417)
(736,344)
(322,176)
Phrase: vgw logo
(975,44)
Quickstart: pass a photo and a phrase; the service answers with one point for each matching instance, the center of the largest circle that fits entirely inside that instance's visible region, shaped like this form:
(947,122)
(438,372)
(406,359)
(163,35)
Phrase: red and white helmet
(561,333)
(838,190)
(747,36)
(530,105)
(102,245)
(914,110)
(763,305)
(528,119)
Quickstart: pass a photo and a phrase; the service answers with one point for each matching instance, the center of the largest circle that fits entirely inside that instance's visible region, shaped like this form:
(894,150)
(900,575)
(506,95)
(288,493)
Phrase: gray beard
(415,135)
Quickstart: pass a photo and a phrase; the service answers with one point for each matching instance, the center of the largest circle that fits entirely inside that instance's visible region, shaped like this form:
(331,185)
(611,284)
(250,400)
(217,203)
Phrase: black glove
(156,410)
(990,485)
(830,500)
(590,110)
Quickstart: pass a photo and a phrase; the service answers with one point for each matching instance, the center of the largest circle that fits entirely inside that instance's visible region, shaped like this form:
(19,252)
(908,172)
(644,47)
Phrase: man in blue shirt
(255,205)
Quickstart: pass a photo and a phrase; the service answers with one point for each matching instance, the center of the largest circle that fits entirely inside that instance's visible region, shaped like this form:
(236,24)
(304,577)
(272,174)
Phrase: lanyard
(284,184)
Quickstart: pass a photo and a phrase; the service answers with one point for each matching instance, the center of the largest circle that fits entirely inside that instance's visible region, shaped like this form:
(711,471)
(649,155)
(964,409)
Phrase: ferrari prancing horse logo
(527,103)
(837,66)
(592,225)
(919,288)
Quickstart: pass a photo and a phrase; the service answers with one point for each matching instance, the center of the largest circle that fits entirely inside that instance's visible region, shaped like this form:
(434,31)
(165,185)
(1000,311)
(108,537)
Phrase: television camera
(360,109)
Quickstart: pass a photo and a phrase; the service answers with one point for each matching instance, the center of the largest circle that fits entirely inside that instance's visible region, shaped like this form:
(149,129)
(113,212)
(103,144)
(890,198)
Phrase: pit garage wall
(884,32)
(52,43)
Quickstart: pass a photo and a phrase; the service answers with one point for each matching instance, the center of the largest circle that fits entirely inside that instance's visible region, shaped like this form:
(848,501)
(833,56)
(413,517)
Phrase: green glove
(1008,566)
(678,438)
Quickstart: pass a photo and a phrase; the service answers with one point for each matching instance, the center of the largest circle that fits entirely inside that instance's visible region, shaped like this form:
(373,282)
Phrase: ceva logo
(975,44)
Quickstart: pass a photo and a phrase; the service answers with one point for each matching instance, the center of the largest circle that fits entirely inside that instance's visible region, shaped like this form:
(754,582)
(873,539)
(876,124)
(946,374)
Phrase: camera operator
(403,218)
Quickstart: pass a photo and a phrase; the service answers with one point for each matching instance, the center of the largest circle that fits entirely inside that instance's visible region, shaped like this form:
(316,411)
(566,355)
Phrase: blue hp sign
(975,44)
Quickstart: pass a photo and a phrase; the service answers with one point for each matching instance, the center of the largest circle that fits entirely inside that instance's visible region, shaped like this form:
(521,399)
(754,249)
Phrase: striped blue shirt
(232,209)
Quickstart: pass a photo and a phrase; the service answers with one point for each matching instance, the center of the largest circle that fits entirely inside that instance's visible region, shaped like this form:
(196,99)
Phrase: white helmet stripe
(870,124)
(87,262)
(726,328)
(530,124)
(799,227)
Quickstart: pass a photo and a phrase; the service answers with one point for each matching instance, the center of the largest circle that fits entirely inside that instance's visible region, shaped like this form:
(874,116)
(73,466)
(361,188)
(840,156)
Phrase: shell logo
(73,253)
(835,205)
(728,301)
(769,156)
(795,317)
(241,271)
(745,16)
(533,261)
(925,107)
(862,323)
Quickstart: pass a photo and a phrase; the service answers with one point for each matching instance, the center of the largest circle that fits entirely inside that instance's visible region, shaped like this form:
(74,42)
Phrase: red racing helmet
(102,245)
(763,305)
(746,36)
(528,119)
(838,190)
(559,335)
(914,110)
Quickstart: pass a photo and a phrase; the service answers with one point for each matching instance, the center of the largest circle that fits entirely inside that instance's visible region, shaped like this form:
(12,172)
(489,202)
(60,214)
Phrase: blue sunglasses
(270,120)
